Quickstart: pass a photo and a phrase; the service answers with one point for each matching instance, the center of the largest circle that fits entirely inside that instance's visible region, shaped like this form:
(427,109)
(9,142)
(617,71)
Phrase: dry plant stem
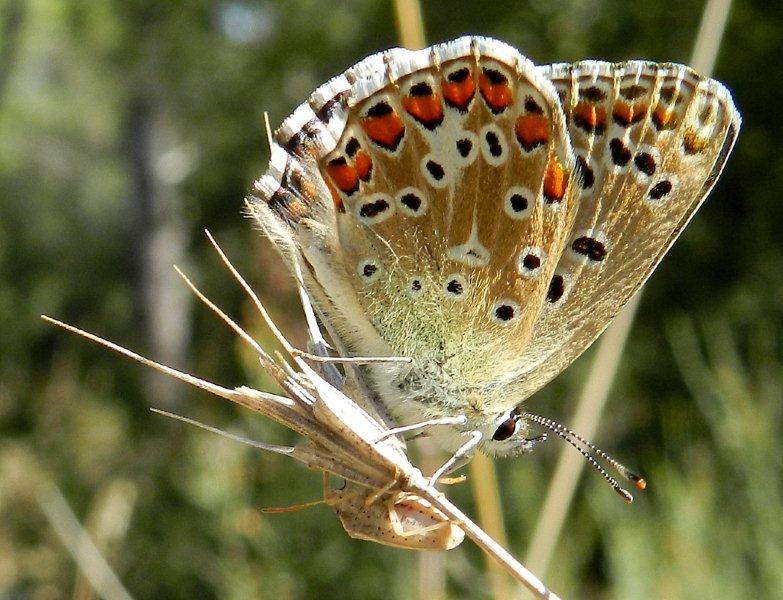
(487,543)
(591,402)
(78,542)
(486,495)
(596,390)
(431,580)
(107,524)
(417,484)
(711,28)
(410,26)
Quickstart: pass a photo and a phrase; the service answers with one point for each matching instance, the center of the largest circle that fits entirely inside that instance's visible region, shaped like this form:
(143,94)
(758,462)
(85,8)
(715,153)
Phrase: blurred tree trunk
(157,239)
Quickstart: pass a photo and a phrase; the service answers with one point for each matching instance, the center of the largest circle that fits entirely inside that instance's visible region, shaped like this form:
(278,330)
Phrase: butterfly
(484,216)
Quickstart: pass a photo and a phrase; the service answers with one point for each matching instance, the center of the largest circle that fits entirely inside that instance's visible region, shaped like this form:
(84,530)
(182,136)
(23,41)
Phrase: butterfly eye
(506,429)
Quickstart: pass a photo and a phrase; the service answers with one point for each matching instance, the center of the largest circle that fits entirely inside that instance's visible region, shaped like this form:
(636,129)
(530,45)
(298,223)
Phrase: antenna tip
(638,481)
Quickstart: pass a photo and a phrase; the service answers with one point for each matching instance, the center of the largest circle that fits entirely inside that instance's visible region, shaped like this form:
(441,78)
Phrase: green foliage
(127,127)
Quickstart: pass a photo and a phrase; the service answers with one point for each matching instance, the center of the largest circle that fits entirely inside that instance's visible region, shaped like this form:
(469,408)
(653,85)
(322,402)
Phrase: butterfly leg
(459,458)
(326,370)
(359,360)
(459,420)
(316,343)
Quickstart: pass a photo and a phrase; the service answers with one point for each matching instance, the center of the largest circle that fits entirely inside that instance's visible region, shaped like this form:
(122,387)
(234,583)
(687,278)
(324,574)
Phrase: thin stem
(218,390)
(78,542)
(486,496)
(410,26)
(569,467)
(488,544)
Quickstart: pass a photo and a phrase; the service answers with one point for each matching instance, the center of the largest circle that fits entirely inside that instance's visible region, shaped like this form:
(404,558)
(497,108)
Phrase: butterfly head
(505,434)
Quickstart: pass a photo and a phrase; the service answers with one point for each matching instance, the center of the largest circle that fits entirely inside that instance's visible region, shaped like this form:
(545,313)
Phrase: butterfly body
(486,217)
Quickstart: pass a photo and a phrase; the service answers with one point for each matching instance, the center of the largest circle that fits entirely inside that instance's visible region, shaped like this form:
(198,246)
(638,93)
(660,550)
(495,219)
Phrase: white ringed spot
(434,171)
(415,286)
(646,163)
(588,246)
(559,288)
(620,155)
(375,208)
(494,147)
(467,148)
(530,262)
(411,202)
(518,202)
(369,270)
(455,287)
(505,312)
(660,189)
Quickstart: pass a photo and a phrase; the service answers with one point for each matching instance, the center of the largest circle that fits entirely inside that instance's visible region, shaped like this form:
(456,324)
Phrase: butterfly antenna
(575,440)
(639,482)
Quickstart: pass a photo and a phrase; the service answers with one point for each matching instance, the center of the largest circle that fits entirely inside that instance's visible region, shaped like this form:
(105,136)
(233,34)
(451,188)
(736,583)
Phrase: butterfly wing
(484,216)
(650,141)
(449,196)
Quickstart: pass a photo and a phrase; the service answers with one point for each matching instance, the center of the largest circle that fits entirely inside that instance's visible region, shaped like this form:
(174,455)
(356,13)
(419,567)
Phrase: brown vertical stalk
(486,494)
(410,26)
(106,524)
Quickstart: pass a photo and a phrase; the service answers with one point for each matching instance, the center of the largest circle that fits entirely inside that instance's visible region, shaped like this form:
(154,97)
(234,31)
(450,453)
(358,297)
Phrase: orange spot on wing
(532,130)
(428,110)
(498,96)
(386,130)
(338,201)
(628,114)
(363,165)
(343,175)
(693,144)
(459,94)
(590,117)
(663,118)
(555,182)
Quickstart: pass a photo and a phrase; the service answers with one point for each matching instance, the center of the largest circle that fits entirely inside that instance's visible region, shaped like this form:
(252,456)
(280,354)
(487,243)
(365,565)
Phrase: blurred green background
(127,127)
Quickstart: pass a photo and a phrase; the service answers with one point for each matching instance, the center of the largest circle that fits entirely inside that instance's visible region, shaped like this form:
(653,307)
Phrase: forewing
(650,142)
(451,183)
